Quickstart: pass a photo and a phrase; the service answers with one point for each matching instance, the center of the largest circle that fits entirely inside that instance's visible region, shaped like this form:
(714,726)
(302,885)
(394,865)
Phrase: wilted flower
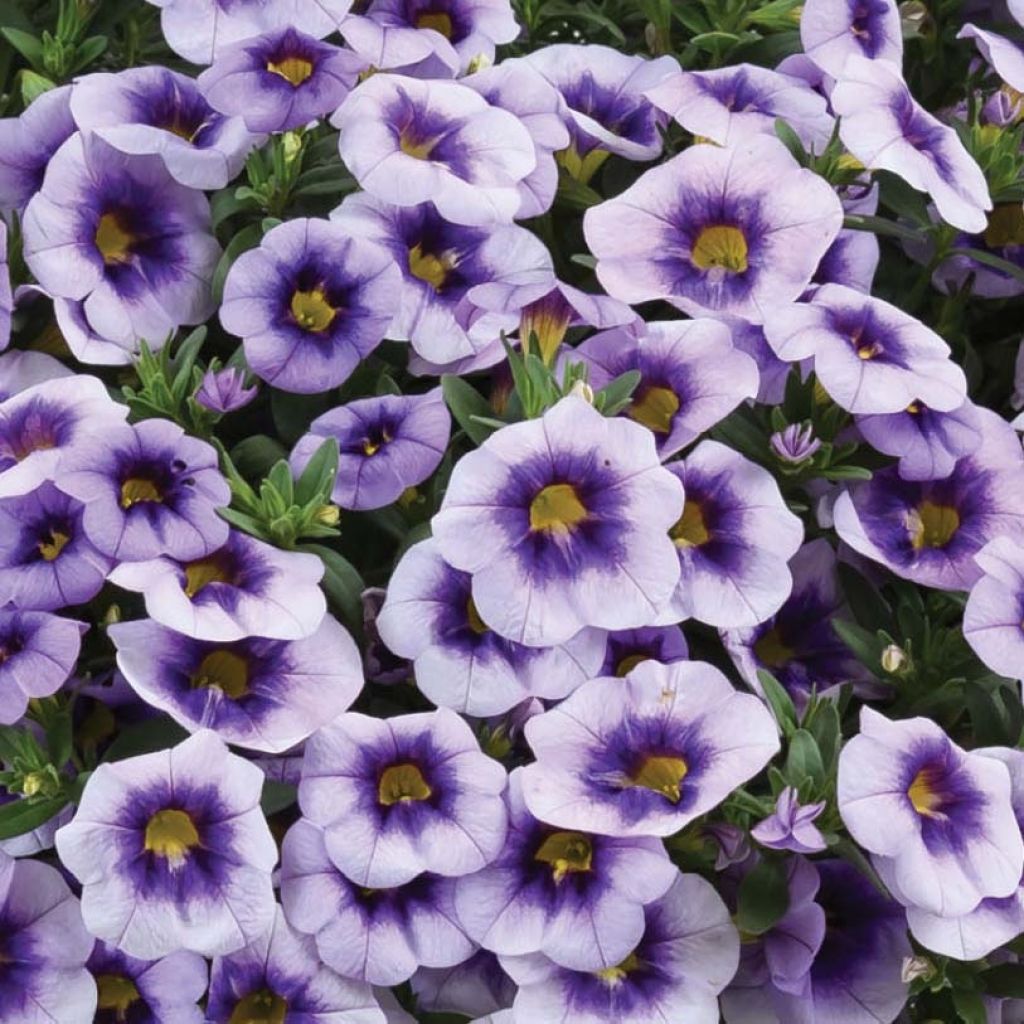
(795,444)
(224,391)
(791,826)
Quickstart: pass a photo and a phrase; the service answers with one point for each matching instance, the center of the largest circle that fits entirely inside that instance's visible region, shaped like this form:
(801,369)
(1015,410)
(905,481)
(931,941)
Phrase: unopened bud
(328,515)
(581,389)
(112,615)
(893,658)
(33,783)
(915,967)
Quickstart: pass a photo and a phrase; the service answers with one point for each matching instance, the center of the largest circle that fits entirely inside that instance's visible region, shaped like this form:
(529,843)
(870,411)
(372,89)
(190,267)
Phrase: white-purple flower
(791,825)
(994,615)
(834,30)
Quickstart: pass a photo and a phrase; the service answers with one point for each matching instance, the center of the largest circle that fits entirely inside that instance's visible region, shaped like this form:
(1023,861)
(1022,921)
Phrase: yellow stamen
(263,1007)
(171,834)
(475,622)
(771,651)
(51,549)
(226,671)
(931,525)
(690,530)
(556,509)
(312,311)
(720,246)
(116,993)
(662,775)
(136,489)
(925,799)
(203,572)
(430,268)
(566,852)
(613,976)
(294,70)
(113,241)
(654,408)
(402,783)
(418,150)
(371,447)
(630,662)
(437,20)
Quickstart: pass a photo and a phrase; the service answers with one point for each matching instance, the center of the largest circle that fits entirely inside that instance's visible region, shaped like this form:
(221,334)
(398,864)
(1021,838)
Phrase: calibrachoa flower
(429,38)
(460,662)
(279,977)
(791,826)
(995,607)
(41,426)
(795,444)
(20,371)
(121,234)
(132,990)
(173,852)
(38,651)
(386,445)
(461,287)
(148,490)
(45,946)
(280,80)
(576,897)
(628,647)
(1004,56)
(261,694)
(690,375)
(224,391)
(6,296)
(728,105)
(309,303)
(607,110)
(548,515)
(735,230)
(938,819)
(930,531)
(399,797)
(688,953)
(409,142)
(474,987)
(155,110)
(375,935)
(246,588)
(645,755)
(831,31)
(732,540)
(870,356)
(885,128)
(852,258)
(46,560)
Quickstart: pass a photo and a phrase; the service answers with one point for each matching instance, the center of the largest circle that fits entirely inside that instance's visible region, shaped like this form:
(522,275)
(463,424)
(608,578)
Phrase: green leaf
(317,479)
(826,728)
(26,44)
(280,478)
(145,737)
(867,646)
(990,260)
(763,898)
(87,52)
(804,761)
(342,584)
(21,816)
(617,394)
(869,608)
(248,238)
(59,738)
(466,404)
(254,456)
(881,226)
(1004,981)
(791,141)
(779,701)
(277,796)
(970,1007)
(226,203)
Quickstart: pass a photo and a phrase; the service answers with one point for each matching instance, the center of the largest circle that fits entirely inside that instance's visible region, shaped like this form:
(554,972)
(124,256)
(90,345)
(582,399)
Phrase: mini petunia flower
(628,647)
(995,608)
(476,987)
(279,977)
(647,754)
(173,852)
(461,287)
(927,443)
(46,560)
(402,796)
(831,31)
(1003,237)
(550,515)
(691,376)
(732,541)
(772,371)
(795,444)
(20,371)
(429,38)
(869,355)
(45,946)
(38,652)
(281,80)
(224,391)
(714,230)
(409,142)
(28,142)
(938,819)
(246,588)
(41,425)
(260,694)
(728,105)
(576,897)
(119,233)
(798,644)
(6,295)
(930,531)
(376,935)
(688,953)
(309,303)
(607,110)
(791,826)
(132,990)
(885,128)
(429,617)
(148,490)
(1004,56)
(852,258)
(200,30)
(386,445)
(85,344)
(155,110)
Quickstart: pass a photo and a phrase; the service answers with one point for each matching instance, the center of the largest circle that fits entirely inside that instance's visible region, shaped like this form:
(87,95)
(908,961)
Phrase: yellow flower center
(654,408)
(171,834)
(225,670)
(924,796)
(116,993)
(113,241)
(475,622)
(1005,226)
(932,526)
(566,852)
(430,268)
(136,489)
(371,446)
(402,783)
(312,311)
(263,1007)
(630,662)
(202,572)
(720,246)
(690,530)
(556,509)
(417,149)
(437,20)
(771,651)
(294,70)
(662,775)
(51,549)
(613,976)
